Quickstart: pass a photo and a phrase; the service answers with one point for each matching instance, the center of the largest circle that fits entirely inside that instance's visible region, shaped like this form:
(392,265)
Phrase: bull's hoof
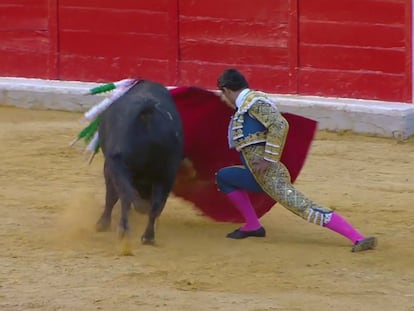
(147,241)
(102,226)
(126,249)
(123,234)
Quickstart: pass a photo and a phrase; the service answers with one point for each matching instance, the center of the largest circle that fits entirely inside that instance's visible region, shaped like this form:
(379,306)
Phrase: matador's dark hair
(232,79)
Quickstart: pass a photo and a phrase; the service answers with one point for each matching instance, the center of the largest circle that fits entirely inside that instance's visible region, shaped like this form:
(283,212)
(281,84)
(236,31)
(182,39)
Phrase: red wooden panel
(35,41)
(103,69)
(253,36)
(128,37)
(7,3)
(227,31)
(233,54)
(293,46)
(265,78)
(379,86)
(109,21)
(16,15)
(368,11)
(23,64)
(351,42)
(173,45)
(53,31)
(408,92)
(114,44)
(152,5)
(358,34)
(245,11)
(24,38)
(349,58)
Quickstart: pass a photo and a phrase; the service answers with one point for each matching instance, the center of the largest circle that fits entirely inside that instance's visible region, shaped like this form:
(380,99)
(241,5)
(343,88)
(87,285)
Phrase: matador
(258,131)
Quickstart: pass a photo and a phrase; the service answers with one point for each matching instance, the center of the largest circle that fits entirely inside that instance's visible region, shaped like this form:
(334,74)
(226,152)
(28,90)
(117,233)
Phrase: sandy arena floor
(51,258)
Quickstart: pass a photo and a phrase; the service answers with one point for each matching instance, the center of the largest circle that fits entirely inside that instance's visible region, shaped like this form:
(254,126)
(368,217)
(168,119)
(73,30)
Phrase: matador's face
(228,97)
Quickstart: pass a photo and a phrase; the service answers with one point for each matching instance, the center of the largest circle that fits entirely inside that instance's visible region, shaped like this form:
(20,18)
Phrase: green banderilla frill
(101,89)
(90,136)
(110,86)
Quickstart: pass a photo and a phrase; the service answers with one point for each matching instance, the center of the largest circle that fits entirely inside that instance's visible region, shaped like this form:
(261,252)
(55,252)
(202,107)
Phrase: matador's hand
(260,166)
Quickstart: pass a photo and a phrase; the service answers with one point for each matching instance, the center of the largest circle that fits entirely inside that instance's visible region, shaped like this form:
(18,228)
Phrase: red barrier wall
(347,48)
(27,42)
(355,48)
(107,40)
(259,37)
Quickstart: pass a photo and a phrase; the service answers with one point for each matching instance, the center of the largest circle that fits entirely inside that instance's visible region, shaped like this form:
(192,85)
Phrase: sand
(52,259)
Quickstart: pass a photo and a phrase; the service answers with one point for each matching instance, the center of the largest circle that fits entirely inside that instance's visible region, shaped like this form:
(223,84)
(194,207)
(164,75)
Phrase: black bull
(141,137)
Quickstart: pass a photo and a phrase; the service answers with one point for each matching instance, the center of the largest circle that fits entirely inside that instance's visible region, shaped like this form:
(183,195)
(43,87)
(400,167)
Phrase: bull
(141,137)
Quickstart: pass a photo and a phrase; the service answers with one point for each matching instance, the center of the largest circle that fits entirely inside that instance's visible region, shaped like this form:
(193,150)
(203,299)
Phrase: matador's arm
(277,128)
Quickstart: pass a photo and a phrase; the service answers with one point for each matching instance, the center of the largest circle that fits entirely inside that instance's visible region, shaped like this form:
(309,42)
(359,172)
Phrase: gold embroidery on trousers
(276,182)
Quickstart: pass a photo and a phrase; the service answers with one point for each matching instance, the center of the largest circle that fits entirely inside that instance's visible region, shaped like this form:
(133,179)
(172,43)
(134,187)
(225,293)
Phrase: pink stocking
(341,226)
(241,201)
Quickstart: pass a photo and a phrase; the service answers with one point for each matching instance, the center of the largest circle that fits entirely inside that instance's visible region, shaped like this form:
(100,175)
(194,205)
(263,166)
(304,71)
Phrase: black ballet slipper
(240,234)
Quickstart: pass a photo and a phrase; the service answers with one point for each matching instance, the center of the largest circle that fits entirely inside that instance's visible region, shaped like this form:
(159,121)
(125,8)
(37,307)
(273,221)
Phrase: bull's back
(143,127)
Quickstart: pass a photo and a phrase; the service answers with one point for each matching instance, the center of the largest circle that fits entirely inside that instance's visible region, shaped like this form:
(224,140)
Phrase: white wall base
(337,114)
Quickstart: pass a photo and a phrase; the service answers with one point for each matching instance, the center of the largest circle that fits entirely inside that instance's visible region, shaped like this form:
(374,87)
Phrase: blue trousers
(232,178)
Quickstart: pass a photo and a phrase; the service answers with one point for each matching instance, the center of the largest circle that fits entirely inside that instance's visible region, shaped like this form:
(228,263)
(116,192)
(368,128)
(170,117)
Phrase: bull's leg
(121,181)
(160,194)
(126,194)
(111,197)
(123,227)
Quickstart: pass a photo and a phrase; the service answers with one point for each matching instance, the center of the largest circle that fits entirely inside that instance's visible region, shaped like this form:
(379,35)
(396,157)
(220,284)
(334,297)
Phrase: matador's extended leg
(276,182)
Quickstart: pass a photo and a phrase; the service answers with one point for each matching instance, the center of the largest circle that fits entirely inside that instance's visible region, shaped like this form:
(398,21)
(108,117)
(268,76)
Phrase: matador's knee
(317,215)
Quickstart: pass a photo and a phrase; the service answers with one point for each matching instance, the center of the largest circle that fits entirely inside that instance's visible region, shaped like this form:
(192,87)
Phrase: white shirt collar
(240,97)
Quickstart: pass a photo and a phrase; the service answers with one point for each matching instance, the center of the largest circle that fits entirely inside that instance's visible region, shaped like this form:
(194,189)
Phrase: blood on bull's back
(141,137)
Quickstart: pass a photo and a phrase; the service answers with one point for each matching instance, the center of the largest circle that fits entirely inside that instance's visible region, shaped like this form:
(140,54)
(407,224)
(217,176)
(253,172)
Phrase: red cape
(205,119)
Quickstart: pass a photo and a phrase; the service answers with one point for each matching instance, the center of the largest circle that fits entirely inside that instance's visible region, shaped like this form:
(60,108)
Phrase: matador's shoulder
(256,98)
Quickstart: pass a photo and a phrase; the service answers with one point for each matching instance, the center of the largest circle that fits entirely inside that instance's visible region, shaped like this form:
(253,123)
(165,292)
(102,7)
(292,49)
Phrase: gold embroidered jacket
(272,132)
